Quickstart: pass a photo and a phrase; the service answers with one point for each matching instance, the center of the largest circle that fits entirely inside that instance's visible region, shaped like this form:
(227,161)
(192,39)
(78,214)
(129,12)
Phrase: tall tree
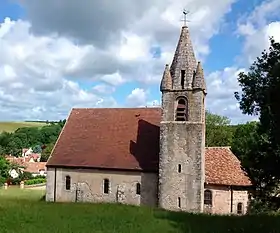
(260,95)
(218,132)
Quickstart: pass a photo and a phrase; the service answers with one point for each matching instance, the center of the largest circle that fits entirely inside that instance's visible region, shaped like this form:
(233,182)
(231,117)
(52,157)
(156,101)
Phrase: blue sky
(226,46)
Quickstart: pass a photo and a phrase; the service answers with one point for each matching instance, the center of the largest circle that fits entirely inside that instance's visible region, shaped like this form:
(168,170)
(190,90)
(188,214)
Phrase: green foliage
(47,152)
(218,130)
(42,217)
(260,96)
(26,137)
(35,181)
(5,167)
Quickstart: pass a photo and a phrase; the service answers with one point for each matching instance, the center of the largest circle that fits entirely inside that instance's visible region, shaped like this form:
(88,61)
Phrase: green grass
(23,211)
(10,126)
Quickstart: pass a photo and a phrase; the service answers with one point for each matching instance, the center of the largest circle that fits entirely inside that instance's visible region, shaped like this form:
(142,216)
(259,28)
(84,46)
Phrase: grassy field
(10,126)
(24,211)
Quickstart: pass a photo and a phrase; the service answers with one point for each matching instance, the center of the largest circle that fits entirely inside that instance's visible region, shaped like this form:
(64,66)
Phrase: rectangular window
(179,202)
(67,183)
(106,186)
(183,72)
(138,189)
(179,168)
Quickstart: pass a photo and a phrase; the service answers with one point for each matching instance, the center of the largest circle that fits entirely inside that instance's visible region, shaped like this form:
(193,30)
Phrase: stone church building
(149,156)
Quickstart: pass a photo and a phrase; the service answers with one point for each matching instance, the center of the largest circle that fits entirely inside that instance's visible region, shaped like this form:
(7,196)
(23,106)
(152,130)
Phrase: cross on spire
(185,12)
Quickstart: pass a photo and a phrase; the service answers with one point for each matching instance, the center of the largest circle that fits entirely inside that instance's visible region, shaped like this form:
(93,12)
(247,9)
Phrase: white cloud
(60,43)
(137,98)
(257,29)
(220,99)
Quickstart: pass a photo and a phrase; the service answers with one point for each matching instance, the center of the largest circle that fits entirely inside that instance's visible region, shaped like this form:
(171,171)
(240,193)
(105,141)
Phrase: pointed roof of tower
(198,80)
(184,59)
(166,81)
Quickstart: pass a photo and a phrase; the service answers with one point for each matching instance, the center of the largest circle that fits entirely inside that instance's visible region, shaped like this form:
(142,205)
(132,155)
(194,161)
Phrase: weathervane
(185,12)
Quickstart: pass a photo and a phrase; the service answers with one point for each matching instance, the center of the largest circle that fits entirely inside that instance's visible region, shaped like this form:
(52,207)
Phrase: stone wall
(87,186)
(181,144)
(222,200)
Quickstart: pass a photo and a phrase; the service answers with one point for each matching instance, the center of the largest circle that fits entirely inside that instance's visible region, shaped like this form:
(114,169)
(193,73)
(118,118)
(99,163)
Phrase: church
(150,156)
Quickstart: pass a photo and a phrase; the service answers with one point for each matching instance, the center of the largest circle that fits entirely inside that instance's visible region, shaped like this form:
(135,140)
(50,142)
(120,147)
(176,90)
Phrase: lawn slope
(10,126)
(22,211)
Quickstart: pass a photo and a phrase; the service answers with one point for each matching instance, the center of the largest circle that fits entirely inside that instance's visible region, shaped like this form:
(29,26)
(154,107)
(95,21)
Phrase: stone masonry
(182,143)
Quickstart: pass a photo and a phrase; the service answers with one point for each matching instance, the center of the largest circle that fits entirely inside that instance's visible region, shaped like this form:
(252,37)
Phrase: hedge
(35,181)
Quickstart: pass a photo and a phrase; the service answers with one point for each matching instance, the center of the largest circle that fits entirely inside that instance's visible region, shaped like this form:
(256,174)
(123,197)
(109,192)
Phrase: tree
(46,152)
(218,132)
(260,96)
(5,167)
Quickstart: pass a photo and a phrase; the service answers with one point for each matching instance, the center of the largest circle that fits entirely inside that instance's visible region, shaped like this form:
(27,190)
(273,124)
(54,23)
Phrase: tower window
(138,189)
(179,168)
(207,197)
(67,182)
(106,186)
(179,202)
(239,208)
(183,72)
(181,111)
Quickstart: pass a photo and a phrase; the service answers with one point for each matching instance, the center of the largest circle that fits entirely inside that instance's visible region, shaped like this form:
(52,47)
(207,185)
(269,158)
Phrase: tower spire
(184,62)
(166,82)
(198,80)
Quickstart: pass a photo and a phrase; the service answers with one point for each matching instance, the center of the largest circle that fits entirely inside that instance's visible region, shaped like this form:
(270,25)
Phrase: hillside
(11,126)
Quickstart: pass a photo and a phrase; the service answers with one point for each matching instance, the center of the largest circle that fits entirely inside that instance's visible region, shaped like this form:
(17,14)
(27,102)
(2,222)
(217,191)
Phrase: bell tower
(182,131)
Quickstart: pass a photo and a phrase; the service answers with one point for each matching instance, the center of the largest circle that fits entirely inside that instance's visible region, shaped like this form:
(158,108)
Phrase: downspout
(231,199)
(54,190)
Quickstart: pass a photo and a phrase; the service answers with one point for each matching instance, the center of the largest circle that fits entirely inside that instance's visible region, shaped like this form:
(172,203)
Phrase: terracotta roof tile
(128,138)
(223,167)
(35,167)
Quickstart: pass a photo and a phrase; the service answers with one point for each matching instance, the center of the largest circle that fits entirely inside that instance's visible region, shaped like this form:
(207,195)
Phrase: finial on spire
(185,12)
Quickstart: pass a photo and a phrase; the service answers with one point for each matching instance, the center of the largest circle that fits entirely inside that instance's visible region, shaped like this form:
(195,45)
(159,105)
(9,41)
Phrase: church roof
(128,139)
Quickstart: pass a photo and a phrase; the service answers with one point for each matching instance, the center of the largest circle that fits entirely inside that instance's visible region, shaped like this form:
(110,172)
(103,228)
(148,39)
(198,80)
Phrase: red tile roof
(35,167)
(128,138)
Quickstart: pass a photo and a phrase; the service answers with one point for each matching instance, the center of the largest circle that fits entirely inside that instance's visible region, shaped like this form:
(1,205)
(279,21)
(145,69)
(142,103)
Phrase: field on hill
(10,126)
(24,211)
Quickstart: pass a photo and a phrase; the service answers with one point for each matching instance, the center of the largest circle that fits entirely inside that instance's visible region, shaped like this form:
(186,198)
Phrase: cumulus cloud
(257,28)
(61,43)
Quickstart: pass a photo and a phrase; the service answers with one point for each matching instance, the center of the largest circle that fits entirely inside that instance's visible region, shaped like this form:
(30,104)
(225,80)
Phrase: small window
(183,72)
(106,185)
(179,202)
(240,208)
(179,168)
(207,197)
(138,189)
(67,182)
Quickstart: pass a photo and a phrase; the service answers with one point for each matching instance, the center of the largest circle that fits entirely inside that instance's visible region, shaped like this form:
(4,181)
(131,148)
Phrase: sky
(60,54)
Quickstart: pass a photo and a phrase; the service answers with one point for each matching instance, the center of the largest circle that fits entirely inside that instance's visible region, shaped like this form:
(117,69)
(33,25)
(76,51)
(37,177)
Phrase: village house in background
(150,156)
(28,162)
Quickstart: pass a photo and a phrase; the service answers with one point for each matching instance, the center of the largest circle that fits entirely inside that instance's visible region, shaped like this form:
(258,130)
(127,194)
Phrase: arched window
(182,110)
(138,189)
(67,182)
(106,185)
(240,208)
(207,197)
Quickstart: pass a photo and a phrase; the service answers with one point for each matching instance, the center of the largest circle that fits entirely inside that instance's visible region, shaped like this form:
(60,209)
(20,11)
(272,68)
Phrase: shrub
(35,181)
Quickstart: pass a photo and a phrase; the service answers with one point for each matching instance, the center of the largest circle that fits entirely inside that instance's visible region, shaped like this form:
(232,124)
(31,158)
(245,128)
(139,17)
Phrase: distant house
(36,169)
(27,164)
(26,152)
